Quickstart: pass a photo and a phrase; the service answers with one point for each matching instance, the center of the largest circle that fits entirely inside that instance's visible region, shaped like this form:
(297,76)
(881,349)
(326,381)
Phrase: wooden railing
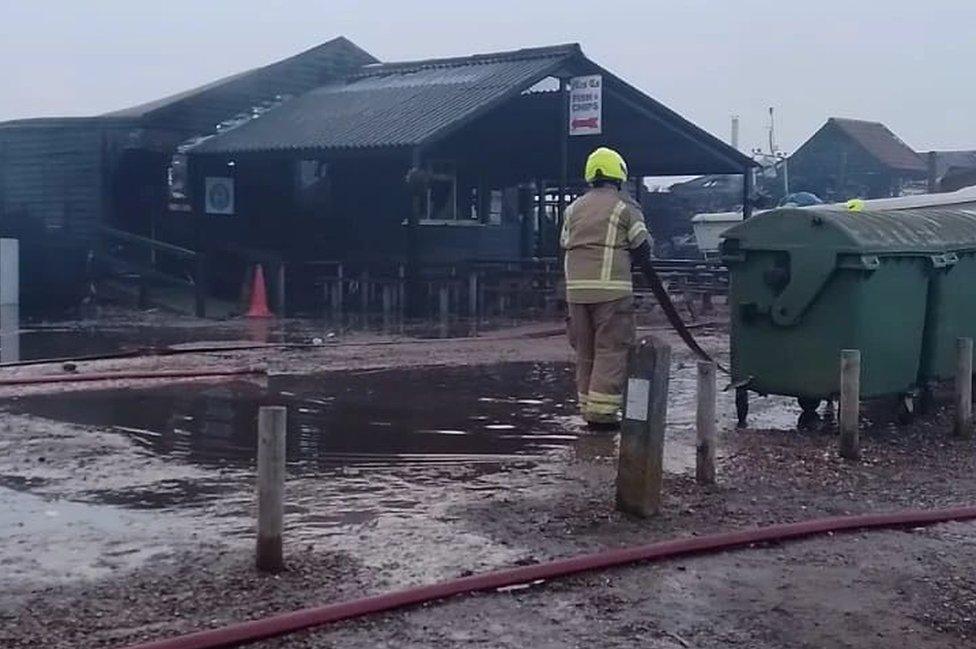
(148,261)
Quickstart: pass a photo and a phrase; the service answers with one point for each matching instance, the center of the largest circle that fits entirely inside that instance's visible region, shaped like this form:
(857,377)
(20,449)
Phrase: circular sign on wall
(219,196)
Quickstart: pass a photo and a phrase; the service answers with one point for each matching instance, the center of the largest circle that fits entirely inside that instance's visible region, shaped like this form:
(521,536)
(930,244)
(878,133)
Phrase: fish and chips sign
(586,105)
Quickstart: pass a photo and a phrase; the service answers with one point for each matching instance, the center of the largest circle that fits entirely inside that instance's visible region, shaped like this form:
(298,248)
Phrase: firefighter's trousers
(602,334)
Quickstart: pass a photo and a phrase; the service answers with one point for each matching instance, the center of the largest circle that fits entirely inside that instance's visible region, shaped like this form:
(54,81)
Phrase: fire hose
(674,318)
(283,624)
(131,376)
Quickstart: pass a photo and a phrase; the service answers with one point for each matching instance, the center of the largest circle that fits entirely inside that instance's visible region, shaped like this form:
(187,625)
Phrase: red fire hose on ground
(279,625)
(130,376)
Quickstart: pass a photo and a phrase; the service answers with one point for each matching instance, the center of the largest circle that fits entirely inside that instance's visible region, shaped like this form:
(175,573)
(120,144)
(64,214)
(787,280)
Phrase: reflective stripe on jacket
(599,230)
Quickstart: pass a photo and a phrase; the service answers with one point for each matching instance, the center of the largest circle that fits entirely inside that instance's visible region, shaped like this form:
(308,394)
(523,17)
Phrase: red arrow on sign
(589,122)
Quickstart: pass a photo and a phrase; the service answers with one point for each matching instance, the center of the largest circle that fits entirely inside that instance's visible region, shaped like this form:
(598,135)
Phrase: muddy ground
(126,512)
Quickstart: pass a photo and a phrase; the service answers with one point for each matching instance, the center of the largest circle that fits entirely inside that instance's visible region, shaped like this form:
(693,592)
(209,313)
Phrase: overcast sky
(904,62)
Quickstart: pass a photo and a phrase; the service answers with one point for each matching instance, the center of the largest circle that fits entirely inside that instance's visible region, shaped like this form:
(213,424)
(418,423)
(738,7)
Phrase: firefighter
(603,232)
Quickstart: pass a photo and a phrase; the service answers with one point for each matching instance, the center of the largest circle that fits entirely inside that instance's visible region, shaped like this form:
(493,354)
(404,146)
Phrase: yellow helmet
(855,205)
(605,163)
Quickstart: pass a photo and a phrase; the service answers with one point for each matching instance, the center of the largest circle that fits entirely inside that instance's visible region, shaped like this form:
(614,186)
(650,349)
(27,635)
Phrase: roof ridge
(144,108)
(856,120)
(551,51)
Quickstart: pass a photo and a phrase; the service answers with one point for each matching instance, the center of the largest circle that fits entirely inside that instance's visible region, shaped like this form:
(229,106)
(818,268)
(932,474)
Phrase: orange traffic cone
(259,296)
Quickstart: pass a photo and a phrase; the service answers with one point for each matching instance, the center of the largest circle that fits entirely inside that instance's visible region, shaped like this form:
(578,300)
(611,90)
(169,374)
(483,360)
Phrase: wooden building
(850,158)
(64,180)
(331,160)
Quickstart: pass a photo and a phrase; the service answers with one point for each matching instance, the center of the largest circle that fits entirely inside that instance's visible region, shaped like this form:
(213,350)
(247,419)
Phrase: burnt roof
(393,104)
(201,108)
(880,143)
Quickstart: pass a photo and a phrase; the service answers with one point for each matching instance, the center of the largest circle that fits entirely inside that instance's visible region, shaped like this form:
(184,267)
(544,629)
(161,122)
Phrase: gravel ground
(858,590)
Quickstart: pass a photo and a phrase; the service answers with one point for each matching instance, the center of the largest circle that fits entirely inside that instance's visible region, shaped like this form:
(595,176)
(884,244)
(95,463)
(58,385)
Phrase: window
(441,197)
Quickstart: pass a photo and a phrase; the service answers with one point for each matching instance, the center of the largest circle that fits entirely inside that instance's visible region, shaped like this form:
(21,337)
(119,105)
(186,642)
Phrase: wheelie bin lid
(819,241)
(903,232)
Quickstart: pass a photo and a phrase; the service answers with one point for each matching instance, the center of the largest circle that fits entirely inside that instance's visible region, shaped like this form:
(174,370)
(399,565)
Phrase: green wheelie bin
(951,312)
(807,283)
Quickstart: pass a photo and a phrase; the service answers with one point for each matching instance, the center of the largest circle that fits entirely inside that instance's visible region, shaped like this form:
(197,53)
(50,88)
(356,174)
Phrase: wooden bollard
(705,423)
(271,484)
(850,403)
(964,388)
(640,469)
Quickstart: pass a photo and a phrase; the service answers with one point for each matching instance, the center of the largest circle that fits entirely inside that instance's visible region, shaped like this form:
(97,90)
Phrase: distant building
(954,169)
(850,158)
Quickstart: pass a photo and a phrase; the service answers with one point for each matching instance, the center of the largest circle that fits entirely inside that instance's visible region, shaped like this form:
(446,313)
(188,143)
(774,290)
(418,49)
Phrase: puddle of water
(51,539)
(428,416)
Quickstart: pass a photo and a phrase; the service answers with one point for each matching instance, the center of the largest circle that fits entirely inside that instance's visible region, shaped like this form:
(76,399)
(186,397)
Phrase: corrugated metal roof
(881,144)
(393,104)
(201,109)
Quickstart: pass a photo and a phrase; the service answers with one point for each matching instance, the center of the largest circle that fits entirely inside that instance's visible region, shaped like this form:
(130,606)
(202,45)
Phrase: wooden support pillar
(280,295)
(201,285)
(444,302)
(747,191)
(850,404)
(932,164)
(563,161)
(412,284)
(540,238)
(271,486)
(964,388)
(640,469)
(336,295)
(364,293)
(705,423)
(142,299)
(387,305)
(401,291)
(473,296)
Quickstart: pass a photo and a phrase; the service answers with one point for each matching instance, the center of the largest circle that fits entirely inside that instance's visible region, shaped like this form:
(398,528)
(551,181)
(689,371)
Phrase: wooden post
(271,484)
(640,469)
(142,299)
(850,403)
(337,295)
(9,272)
(705,421)
(932,165)
(747,187)
(280,293)
(387,306)
(9,333)
(563,163)
(401,292)
(364,293)
(200,282)
(444,304)
(964,388)
(473,296)
(540,240)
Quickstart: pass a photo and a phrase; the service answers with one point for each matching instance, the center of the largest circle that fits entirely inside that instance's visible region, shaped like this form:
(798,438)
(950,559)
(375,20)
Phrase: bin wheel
(906,409)
(742,406)
(809,406)
(926,399)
